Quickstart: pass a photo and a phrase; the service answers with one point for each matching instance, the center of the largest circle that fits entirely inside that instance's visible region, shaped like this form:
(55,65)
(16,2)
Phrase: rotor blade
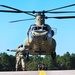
(61,7)
(59,12)
(9,7)
(20,11)
(62,17)
(9,11)
(21,20)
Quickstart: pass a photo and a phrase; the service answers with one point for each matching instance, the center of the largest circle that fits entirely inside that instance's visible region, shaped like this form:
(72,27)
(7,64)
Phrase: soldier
(39,67)
(42,67)
(20,57)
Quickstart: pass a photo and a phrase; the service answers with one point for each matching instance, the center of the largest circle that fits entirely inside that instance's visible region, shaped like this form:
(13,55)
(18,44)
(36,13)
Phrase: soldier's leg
(17,63)
(23,64)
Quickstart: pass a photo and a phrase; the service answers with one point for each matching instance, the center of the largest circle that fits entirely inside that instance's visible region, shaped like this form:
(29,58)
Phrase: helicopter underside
(40,47)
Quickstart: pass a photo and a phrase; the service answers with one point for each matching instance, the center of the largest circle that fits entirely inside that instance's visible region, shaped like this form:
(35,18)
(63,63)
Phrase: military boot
(16,69)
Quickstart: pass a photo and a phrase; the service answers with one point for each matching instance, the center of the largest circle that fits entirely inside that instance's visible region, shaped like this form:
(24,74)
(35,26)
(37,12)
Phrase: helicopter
(40,39)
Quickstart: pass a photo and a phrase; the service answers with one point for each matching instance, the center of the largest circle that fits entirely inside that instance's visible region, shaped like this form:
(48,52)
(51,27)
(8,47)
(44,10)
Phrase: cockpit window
(34,28)
(45,28)
(39,27)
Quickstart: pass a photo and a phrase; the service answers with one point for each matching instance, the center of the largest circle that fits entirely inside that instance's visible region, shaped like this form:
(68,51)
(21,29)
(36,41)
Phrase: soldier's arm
(14,50)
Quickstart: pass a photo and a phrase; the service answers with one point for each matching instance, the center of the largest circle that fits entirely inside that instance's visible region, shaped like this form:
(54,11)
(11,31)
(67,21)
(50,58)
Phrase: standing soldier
(20,57)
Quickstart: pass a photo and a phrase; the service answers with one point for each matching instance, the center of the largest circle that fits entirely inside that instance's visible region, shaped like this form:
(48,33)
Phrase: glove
(8,50)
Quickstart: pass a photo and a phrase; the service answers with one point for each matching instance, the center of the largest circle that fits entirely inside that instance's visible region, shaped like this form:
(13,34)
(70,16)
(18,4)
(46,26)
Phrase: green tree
(65,62)
(6,62)
(72,61)
(32,63)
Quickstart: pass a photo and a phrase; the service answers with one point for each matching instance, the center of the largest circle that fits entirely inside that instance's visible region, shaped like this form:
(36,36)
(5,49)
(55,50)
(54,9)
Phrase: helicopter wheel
(53,55)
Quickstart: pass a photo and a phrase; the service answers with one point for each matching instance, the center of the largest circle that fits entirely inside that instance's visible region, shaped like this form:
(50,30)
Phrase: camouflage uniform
(20,57)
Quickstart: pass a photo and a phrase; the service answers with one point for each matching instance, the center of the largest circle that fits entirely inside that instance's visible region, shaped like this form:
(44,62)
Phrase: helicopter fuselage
(40,41)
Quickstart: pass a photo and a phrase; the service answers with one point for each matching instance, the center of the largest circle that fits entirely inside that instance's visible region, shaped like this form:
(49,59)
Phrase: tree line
(65,62)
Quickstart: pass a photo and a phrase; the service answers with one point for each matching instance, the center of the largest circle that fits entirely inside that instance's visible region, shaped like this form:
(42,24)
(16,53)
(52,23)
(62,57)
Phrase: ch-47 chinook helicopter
(40,39)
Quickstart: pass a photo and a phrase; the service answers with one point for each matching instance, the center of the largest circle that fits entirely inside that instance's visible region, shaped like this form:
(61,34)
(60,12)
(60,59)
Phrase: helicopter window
(34,28)
(45,28)
(39,28)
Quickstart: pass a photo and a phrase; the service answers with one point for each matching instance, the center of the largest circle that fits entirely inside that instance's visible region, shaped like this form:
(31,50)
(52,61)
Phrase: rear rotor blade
(62,17)
(21,20)
(61,7)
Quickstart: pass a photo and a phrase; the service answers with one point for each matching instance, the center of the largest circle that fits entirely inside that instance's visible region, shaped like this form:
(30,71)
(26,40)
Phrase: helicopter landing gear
(53,55)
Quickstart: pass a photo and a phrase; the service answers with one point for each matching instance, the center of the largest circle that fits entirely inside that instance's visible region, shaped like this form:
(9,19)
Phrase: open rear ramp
(52,72)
